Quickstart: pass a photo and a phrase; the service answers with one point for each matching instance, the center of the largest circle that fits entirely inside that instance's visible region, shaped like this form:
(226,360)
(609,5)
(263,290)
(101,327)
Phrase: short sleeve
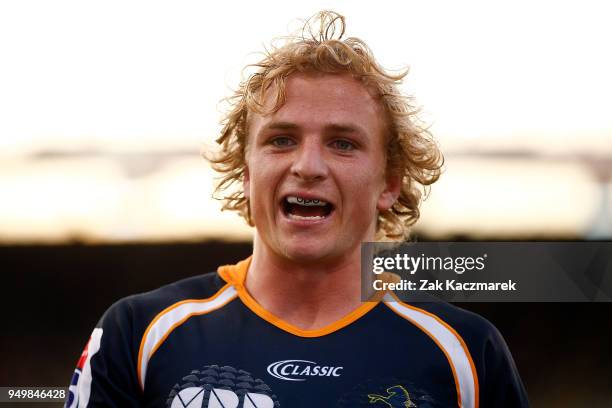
(106,371)
(500,383)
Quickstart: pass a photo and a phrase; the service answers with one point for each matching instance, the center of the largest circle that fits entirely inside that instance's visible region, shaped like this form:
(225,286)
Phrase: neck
(306,295)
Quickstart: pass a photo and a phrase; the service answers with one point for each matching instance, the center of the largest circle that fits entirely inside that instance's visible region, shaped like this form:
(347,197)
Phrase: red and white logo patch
(80,385)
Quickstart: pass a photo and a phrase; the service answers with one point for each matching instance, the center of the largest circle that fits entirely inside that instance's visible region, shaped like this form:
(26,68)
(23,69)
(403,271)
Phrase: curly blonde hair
(412,153)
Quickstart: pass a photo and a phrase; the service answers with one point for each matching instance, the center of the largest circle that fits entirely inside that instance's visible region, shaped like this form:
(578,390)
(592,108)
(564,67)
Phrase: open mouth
(306,209)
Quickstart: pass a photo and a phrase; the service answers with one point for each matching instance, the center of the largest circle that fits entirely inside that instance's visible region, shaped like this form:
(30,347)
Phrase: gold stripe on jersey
(172,317)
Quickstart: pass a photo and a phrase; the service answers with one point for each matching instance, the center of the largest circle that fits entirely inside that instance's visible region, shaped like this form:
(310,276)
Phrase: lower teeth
(300,217)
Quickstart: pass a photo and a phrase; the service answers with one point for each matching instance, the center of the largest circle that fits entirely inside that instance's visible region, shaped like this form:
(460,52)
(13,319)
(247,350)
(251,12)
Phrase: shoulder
(481,340)
(467,326)
(137,311)
(107,374)
(474,329)
(498,377)
(481,359)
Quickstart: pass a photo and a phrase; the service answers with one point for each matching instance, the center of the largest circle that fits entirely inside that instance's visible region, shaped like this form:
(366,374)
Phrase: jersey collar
(236,276)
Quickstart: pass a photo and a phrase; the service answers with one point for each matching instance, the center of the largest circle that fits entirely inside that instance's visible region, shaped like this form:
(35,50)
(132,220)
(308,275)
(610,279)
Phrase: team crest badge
(397,397)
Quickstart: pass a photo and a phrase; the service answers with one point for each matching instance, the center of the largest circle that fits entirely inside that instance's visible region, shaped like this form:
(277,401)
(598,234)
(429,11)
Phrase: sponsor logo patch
(80,385)
(221,387)
(301,370)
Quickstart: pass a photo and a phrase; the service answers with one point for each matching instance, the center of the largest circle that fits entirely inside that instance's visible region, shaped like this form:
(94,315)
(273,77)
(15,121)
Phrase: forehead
(319,100)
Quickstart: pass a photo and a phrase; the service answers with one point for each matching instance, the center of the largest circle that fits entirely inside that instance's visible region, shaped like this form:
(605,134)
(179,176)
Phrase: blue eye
(282,141)
(343,145)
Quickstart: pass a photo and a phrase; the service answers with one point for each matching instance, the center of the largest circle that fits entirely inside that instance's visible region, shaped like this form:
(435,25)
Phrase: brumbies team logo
(221,387)
(388,393)
(397,396)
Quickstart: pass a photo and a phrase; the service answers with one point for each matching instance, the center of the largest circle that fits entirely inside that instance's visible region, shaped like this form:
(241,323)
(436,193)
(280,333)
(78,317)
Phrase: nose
(309,163)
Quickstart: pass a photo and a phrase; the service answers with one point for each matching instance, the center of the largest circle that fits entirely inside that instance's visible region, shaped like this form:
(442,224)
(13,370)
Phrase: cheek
(364,190)
(258,181)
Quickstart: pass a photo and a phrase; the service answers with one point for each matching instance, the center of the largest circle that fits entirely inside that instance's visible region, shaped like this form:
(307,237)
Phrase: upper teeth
(306,201)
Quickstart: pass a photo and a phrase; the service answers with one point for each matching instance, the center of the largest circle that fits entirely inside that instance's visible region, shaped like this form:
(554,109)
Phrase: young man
(326,154)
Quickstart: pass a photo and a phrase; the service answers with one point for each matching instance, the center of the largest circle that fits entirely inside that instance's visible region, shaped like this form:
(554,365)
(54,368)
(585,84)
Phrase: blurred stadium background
(105,109)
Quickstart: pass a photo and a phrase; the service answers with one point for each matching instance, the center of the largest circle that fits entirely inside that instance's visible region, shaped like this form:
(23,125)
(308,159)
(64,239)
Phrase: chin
(304,253)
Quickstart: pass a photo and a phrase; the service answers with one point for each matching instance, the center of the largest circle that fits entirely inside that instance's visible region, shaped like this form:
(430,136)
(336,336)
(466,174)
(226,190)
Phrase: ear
(246,183)
(389,195)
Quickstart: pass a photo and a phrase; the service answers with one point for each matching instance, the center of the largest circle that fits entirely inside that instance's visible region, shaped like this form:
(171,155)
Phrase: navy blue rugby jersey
(205,342)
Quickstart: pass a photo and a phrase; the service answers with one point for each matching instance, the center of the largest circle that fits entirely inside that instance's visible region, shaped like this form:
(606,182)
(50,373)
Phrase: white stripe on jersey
(82,389)
(172,317)
(451,345)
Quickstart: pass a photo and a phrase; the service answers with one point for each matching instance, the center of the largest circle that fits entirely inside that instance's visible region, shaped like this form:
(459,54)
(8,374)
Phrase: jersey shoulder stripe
(172,317)
(451,344)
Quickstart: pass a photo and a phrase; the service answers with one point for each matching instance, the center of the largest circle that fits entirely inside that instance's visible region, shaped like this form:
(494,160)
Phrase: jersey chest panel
(380,360)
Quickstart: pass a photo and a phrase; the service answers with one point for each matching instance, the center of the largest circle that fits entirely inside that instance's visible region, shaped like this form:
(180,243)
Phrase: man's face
(315,175)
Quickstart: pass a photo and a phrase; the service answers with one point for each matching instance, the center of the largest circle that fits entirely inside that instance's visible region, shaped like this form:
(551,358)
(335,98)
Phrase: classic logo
(296,370)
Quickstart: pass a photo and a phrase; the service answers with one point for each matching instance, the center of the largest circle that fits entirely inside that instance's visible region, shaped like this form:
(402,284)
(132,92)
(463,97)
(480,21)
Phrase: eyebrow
(280,126)
(334,127)
(344,128)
